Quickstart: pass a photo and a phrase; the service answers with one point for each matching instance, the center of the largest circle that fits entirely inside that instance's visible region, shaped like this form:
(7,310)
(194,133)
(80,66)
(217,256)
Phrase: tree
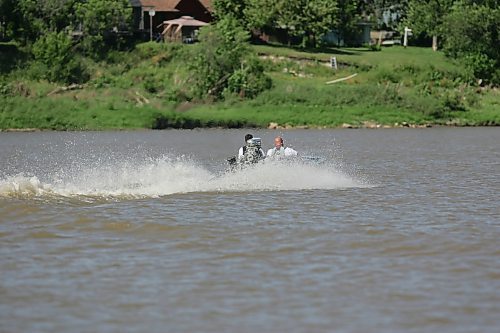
(426,17)
(472,35)
(54,60)
(261,14)
(347,18)
(99,17)
(309,19)
(306,19)
(221,63)
(38,17)
(234,8)
(9,18)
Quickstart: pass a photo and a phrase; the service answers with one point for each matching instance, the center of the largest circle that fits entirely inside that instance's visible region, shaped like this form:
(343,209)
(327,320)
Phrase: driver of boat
(242,150)
(280,150)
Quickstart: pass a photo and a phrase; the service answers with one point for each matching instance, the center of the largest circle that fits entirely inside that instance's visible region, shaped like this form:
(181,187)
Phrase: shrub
(388,75)
(5,89)
(220,63)
(452,101)
(249,80)
(481,67)
(374,47)
(54,61)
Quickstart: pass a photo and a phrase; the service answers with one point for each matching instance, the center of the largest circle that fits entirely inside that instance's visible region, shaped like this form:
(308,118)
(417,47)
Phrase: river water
(393,230)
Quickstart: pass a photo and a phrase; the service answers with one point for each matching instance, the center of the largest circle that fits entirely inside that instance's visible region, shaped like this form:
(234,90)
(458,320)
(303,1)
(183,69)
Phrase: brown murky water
(383,231)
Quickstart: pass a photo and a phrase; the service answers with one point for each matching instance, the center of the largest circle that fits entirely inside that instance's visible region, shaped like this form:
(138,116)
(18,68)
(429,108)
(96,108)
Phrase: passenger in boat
(252,151)
(280,150)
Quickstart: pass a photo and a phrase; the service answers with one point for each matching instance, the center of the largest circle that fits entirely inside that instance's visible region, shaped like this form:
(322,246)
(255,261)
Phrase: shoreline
(272,126)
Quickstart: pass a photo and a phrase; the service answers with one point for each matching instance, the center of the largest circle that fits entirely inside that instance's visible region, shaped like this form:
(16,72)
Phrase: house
(165,10)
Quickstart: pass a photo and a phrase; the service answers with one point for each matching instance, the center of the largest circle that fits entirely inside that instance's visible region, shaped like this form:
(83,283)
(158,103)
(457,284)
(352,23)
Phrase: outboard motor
(252,151)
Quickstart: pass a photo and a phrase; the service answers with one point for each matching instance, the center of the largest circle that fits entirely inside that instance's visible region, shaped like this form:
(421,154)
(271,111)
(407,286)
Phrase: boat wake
(167,176)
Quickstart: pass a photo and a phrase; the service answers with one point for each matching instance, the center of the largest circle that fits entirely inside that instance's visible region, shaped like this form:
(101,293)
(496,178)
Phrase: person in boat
(280,150)
(252,151)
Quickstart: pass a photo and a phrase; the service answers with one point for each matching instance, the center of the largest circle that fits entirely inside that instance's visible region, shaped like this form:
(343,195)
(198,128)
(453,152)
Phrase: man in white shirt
(280,150)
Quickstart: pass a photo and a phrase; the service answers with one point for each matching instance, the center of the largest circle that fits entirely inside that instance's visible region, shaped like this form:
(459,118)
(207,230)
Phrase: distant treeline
(463,29)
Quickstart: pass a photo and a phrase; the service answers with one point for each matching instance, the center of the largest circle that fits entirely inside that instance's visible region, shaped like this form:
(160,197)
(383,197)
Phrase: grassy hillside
(149,88)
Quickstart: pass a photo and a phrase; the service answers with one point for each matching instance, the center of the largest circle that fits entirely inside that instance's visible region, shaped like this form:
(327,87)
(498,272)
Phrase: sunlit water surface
(376,231)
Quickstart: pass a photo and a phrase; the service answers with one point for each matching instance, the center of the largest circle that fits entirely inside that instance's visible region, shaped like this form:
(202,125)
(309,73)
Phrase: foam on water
(167,176)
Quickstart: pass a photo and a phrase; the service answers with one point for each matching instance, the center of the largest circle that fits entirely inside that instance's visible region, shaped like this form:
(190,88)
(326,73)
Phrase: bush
(472,37)
(54,61)
(387,75)
(452,101)
(221,63)
(249,80)
(5,88)
(481,67)
(158,52)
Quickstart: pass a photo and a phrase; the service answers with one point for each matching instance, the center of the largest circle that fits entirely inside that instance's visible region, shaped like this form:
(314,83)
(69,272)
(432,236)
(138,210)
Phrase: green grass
(146,88)
(65,114)
(363,57)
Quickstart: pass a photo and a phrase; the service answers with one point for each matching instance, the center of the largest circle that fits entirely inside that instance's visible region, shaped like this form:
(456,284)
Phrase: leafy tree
(306,19)
(9,18)
(234,8)
(34,18)
(261,14)
(54,60)
(472,35)
(221,62)
(347,18)
(39,17)
(426,17)
(310,19)
(99,17)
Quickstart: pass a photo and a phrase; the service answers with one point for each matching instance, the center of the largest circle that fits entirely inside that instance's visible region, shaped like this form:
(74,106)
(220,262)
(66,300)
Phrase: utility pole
(151,14)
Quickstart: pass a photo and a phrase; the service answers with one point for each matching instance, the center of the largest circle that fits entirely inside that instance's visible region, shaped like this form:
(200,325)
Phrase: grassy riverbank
(146,88)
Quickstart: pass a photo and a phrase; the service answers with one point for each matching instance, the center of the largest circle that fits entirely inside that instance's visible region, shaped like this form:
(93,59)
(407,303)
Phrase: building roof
(167,5)
(208,4)
(161,5)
